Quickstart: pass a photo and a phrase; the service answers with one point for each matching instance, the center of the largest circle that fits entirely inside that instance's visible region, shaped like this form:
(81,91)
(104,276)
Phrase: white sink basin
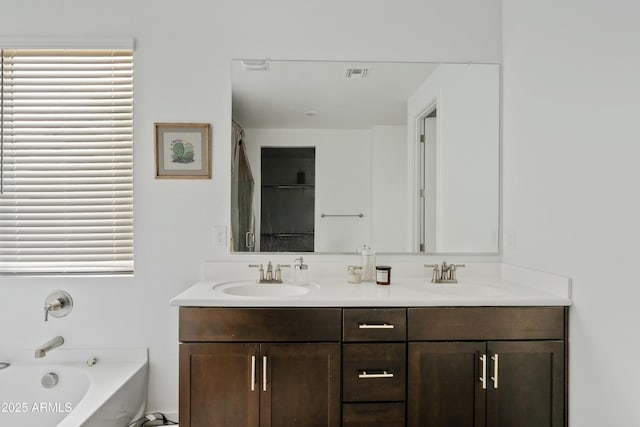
(245,288)
(465,289)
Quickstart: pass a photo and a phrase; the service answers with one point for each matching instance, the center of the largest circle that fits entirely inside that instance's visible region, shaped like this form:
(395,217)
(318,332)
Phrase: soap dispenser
(300,270)
(368,264)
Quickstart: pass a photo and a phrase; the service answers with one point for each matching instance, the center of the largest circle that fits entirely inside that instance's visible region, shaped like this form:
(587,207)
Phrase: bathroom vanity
(463,360)
(259,367)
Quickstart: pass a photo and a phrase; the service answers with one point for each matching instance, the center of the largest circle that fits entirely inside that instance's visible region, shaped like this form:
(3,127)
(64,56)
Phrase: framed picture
(183,150)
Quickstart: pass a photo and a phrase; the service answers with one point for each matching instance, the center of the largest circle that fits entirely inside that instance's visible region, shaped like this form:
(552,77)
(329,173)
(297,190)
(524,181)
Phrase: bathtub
(95,388)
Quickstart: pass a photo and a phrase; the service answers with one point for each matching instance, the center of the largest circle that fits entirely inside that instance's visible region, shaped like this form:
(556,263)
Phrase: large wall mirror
(328,156)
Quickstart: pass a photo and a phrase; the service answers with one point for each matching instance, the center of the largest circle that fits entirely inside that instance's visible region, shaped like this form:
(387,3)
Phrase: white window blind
(67,161)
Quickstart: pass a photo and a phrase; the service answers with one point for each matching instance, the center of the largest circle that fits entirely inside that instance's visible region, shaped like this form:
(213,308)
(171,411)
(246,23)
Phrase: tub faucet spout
(48,346)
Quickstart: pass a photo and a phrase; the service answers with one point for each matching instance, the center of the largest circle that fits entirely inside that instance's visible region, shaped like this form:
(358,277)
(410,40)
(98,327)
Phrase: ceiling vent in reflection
(357,73)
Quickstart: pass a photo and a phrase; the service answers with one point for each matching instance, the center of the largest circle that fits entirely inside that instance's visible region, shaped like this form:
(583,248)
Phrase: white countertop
(510,286)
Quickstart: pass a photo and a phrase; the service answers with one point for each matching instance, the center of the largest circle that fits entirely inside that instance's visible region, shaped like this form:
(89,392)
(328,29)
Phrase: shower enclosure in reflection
(243,216)
(287,199)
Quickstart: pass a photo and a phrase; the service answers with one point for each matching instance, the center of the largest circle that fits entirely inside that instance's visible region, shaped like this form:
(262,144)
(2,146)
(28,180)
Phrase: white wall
(571,183)
(343,187)
(467,150)
(182,73)
(389,190)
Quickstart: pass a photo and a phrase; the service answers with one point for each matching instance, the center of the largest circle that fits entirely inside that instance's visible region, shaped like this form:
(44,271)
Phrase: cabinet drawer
(198,324)
(373,415)
(374,324)
(373,372)
(485,323)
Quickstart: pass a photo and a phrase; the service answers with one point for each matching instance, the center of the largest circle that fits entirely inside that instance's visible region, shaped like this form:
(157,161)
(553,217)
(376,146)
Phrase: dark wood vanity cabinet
(458,377)
(302,385)
(289,376)
(215,385)
(374,370)
(368,367)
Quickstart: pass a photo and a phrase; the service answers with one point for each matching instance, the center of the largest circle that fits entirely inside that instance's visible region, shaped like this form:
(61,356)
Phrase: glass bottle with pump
(300,271)
(368,264)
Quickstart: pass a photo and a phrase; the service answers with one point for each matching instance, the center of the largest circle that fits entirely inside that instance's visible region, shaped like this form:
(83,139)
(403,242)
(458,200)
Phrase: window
(66,161)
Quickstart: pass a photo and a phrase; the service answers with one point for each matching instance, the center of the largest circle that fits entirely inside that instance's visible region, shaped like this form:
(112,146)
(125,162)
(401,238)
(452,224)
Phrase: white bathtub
(110,393)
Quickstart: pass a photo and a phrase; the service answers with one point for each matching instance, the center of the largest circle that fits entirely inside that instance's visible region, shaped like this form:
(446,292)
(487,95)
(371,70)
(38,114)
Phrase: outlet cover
(220,235)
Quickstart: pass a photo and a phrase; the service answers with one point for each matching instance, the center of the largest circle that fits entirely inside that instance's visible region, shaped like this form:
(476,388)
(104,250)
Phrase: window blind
(67,161)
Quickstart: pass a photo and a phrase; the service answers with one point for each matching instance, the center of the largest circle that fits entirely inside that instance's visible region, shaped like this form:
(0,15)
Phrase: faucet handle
(452,272)
(258,266)
(435,276)
(58,303)
(51,306)
(278,277)
(260,271)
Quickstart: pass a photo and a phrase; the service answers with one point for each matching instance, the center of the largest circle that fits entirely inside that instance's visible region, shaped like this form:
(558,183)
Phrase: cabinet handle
(483,378)
(264,373)
(250,239)
(495,370)
(377,326)
(383,374)
(253,373)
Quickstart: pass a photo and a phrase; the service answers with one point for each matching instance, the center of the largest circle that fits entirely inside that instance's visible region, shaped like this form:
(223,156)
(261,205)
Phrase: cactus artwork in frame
(183,150)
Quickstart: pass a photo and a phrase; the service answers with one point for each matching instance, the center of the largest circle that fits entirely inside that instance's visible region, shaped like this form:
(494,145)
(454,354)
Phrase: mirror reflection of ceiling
(318,95)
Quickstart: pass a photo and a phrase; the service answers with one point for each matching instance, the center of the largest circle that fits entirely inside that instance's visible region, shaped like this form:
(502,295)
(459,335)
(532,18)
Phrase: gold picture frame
(182,150)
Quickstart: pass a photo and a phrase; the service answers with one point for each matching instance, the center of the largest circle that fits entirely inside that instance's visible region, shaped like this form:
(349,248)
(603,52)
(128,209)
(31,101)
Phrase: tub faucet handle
(58,304)
(54,305)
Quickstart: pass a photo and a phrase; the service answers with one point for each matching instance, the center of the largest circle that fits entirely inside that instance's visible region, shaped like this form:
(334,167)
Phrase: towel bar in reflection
(324,215)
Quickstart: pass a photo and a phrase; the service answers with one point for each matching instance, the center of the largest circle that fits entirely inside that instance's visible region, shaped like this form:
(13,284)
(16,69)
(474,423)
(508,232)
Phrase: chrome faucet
(445,273)
(271,275)
(48,346)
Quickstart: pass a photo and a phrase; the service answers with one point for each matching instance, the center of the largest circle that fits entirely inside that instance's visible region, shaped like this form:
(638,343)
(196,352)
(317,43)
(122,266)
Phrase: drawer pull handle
(383,374)
(377,326)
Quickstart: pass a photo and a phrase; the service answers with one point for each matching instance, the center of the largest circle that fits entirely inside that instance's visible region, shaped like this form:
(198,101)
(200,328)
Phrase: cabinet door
(217,387)
(527,384)
(444,386)
(302,383)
